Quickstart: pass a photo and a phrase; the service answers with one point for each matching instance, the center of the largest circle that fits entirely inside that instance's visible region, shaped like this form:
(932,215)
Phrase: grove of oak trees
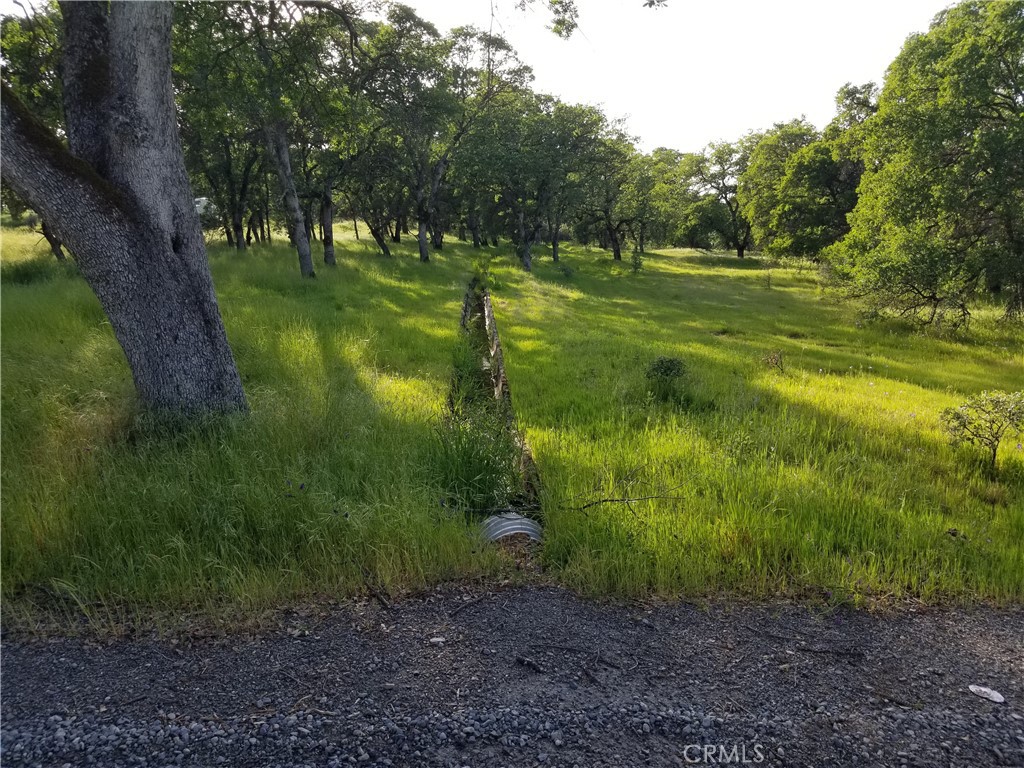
(115,116)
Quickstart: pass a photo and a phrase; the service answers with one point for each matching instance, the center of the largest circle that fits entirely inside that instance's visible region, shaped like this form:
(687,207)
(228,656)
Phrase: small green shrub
(665,378)
(984,420)
(636,261)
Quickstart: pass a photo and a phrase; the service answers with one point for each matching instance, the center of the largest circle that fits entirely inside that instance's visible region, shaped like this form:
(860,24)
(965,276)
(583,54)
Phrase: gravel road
(531,676)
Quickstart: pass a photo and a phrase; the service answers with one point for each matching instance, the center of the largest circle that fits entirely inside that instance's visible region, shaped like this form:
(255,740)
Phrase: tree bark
(228,231)
(277,145)
(422,219)
(380,240)
(525,241)
(53,241)
(437,237)
(123,204)
(238,228)
(421,239)
(327,223)
(556,229)
(474,226)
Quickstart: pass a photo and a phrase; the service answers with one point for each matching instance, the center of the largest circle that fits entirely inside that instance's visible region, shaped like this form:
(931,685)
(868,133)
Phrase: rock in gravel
(987,693)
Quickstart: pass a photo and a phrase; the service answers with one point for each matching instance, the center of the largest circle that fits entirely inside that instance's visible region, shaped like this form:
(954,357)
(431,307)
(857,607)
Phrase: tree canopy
(940,209)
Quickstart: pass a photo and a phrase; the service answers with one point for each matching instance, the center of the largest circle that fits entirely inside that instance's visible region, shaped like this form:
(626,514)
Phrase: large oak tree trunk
(277,145)
(123,204)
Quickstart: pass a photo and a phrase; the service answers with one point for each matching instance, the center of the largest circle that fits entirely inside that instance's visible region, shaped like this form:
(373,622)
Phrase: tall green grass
(329,482)
(831,477)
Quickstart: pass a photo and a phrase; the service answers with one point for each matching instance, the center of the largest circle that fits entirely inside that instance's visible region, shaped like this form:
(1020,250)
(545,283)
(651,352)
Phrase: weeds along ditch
(484,462)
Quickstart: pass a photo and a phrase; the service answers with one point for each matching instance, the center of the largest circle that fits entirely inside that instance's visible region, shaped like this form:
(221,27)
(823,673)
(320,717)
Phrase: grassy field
(828,478)
(329,482)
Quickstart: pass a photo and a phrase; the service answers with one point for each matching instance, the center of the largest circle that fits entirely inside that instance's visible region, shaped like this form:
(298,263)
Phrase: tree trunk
(555,231)
(239,230)
(525,255)
(54,242)
(327,223)
(740,249)
(616,246)
(355,225)
(474,226)
(380,240)
(307,223)
(437,238)
(421,237)
(228,232)
(123,202)
(277,144)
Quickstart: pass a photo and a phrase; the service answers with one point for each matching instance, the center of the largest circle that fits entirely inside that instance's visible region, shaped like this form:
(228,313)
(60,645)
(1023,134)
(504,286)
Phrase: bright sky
(697,71)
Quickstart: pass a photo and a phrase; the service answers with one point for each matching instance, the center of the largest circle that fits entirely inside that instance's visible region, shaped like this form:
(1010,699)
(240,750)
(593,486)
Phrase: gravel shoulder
(531,676)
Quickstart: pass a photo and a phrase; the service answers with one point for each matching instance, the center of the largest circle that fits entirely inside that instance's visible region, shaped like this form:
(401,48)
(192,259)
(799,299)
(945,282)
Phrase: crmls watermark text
(723,754)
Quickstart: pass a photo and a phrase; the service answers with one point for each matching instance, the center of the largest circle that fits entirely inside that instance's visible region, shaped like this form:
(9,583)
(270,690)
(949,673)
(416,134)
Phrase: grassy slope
(832,476)
(836,479)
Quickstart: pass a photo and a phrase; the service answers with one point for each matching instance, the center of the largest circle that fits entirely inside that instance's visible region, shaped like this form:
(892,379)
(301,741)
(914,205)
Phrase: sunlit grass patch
(828,475)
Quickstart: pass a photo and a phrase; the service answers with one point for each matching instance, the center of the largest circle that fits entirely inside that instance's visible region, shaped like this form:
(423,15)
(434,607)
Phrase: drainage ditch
(487,467)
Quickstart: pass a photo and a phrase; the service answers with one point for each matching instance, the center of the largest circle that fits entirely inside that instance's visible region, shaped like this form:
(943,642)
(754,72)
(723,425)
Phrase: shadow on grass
(325,485)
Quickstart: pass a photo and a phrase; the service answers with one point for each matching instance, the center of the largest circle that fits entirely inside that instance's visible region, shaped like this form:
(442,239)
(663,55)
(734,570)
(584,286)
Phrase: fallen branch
(630,500)
(465,605)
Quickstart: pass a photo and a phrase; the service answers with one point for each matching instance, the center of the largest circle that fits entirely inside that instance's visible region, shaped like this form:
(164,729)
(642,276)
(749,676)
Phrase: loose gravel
(531,677)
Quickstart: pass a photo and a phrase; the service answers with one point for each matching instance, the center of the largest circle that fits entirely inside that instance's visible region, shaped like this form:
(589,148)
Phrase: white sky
(698,70)
(702,70)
